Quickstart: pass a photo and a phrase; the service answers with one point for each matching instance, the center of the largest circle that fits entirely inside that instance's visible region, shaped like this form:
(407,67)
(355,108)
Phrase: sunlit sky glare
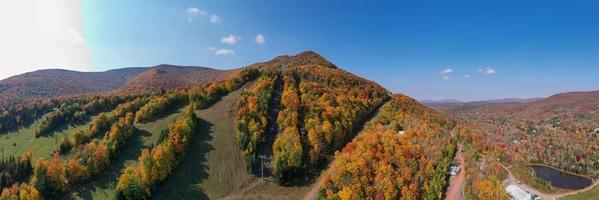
(465,50)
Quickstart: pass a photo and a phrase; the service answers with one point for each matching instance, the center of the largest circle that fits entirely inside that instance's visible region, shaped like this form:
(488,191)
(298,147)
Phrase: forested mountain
(275,128)
(57,82)
(165,77)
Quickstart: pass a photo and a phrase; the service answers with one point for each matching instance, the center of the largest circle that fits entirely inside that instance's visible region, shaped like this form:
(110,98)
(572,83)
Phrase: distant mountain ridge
(58,82)
(564,103)
(48,83)
(491,101)
(442,101)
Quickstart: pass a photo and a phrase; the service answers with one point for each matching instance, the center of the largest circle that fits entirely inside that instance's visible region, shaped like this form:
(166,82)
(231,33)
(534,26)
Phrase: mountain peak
(303,58)
(310,54)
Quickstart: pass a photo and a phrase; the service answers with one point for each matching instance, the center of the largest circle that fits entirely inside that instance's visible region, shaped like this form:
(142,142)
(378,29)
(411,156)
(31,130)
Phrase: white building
(454,170)
(518,193)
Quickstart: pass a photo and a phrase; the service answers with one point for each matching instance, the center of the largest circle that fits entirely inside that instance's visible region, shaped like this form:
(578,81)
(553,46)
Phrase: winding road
(456,183)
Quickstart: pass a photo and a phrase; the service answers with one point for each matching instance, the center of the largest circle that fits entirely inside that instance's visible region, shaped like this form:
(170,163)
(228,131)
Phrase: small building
(454,170)
(518,193)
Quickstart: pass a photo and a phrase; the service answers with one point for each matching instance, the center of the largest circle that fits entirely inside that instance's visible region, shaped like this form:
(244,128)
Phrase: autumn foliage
(23,191)
(77,112)
(333,104)
(101,124)
(156,164)
(54,176)
(15,170)
(388,161)
(287,147)
(252,116)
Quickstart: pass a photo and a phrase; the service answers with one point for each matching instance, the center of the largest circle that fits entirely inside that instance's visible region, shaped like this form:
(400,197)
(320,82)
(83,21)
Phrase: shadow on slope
(103,186)
(193,169)
(213,166)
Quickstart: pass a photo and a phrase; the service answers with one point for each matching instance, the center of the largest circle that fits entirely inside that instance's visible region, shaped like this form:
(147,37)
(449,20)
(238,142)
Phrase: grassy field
(588,195)
(191,178)
(269,190)
(213,166)
(16,143)
(104,185)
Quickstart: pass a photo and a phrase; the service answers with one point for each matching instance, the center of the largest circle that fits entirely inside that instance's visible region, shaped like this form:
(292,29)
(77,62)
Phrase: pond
(561,179)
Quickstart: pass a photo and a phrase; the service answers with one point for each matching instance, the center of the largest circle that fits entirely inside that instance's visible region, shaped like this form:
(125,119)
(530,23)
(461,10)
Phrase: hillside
(559,131)
(269,130)
(56,82)
(165,77)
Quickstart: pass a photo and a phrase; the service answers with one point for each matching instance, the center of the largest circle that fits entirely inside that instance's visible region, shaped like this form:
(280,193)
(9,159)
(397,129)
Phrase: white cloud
(466,76)
(192,12)
(224,52)
(487,71)
(214,19)
(446,73)
(230,40)
(260,39)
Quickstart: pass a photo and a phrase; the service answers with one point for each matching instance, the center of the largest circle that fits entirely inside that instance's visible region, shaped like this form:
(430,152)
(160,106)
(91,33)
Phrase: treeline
(287,147)
(14,173)
(333,103)
(158,106)
(77,112)
(205,96)
(52,177)
(14,117)
(201,96)
(406,114)
(15,170)
(155,165)
(388,161)
(321,110)
(101,124)
(252,116)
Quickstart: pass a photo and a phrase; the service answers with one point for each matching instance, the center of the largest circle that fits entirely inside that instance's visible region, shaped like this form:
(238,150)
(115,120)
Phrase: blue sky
(495,49)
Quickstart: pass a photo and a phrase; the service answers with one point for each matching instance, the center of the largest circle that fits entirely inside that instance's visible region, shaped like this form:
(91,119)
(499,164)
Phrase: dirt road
(316,186)
(456,183)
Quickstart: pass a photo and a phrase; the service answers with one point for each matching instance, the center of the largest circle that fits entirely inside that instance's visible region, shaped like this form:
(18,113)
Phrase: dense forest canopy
(403,153)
